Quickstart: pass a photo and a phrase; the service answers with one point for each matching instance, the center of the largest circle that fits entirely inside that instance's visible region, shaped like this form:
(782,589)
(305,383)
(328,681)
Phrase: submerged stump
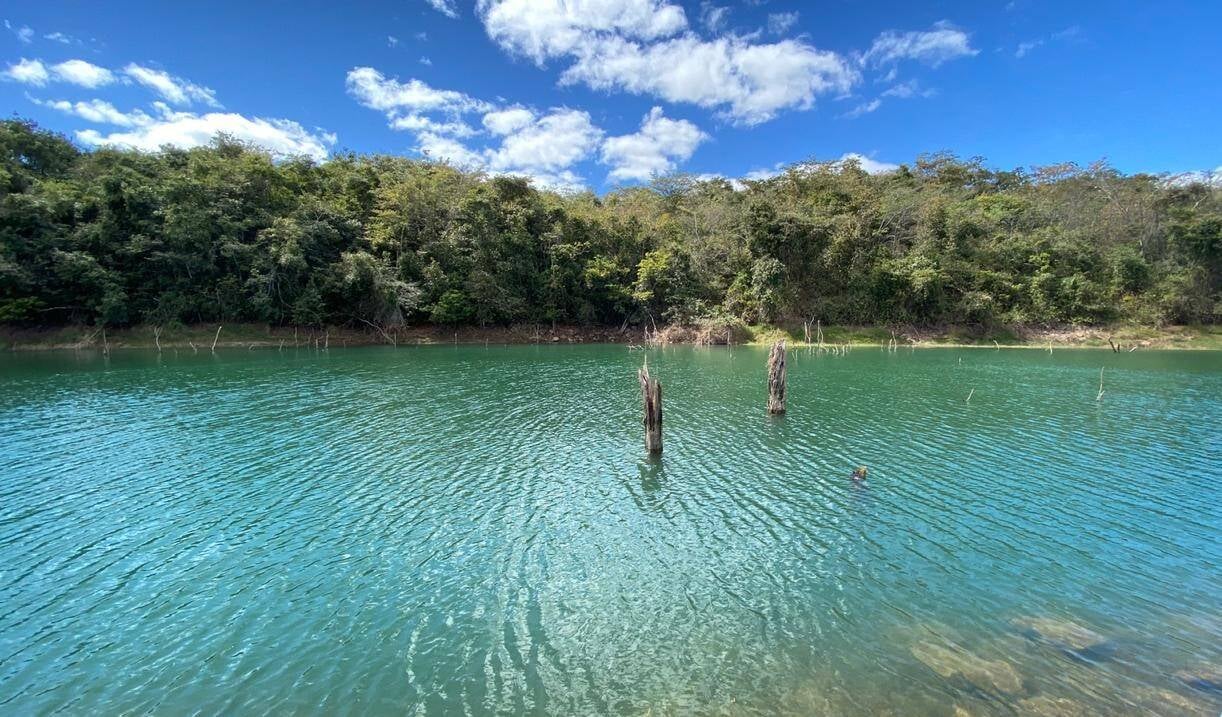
(651,399)
(776,378)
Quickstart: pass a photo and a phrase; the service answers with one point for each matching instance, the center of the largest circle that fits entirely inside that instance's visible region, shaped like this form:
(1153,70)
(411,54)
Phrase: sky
(601,94)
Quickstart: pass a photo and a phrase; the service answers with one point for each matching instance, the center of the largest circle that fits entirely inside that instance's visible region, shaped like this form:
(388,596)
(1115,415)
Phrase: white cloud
(759,175)
(780,22)
(29,72)
(643,47)
(933,47)
(445,7)
(864,108)
(283,138)
(376,91)
(1026,47)
(77,72)
(551,143)
(98,111)
(1207,177)
(654,149)
(713,17)
(869,166)
(545,148)
(447,149)
(85,74)
(25,33)
(425,61)
(420,123)
(509,120)
(751,81)
(540,29)
(909,89)
(61,38)
(517,140)
(174,89)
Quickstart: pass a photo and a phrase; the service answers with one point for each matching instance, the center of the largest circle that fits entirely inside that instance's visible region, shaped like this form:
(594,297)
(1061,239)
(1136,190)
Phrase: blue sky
(604,93)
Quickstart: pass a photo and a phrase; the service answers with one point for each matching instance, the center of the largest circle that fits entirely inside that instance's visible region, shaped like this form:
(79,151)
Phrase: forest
(227,233)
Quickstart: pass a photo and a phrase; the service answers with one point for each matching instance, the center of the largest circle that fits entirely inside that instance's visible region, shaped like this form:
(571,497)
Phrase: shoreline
(251,336)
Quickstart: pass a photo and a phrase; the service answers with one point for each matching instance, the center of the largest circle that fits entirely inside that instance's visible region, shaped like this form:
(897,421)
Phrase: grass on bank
(1168,337)
(201,336)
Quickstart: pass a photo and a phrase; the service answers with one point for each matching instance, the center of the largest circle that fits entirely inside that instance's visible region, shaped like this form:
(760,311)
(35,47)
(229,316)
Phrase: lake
(477,530)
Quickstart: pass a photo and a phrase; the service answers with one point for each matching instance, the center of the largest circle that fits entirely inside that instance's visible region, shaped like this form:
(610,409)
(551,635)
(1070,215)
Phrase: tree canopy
(226,233)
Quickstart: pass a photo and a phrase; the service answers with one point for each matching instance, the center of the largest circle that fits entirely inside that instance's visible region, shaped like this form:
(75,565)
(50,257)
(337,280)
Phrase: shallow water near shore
(476,530)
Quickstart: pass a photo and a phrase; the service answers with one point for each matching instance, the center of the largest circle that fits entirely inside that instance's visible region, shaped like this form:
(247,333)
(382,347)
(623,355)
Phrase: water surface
(475,530)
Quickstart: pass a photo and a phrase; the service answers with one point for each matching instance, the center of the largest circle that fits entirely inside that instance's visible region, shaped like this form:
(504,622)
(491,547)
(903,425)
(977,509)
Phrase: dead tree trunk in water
(776,378)
(651,400)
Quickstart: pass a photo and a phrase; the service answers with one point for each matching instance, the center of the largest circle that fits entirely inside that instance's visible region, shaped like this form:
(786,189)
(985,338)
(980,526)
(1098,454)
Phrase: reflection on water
(477,530)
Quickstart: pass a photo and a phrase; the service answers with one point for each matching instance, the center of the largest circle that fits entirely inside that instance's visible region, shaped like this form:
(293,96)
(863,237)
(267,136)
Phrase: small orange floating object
(860,473)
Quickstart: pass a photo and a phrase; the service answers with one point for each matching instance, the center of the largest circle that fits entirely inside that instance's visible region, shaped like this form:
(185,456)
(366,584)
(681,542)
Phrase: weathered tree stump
(776,378)
(651,400)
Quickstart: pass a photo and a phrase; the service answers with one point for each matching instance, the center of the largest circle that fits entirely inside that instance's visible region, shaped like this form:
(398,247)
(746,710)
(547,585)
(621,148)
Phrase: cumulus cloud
(518,140)
(166,127)
(445,7)
(29,72)
(646,47)
(98,111)
(1210,178)
(376,91)
(932,47)
(280,137)
(654,149)
(448,149)
(420,123)
(508,120)
(868,165)
(554,28)
(752,82)
(173,89)
(549,144)
(544,148)
(85,74)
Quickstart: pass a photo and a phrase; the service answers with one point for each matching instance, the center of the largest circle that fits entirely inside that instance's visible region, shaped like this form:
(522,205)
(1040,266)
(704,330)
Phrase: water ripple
(474,530)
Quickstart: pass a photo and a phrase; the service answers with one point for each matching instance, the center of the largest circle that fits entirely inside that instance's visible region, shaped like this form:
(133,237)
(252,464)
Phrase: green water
(471,530)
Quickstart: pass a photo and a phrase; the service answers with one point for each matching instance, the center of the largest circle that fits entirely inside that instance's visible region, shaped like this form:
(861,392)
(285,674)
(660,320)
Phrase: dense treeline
(225,233)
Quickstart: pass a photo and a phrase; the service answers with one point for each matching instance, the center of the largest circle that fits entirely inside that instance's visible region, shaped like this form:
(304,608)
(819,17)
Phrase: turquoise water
(472,530)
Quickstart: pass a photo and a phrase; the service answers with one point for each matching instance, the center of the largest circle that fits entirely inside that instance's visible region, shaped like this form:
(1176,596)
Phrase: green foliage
(224,233)
(452,308)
